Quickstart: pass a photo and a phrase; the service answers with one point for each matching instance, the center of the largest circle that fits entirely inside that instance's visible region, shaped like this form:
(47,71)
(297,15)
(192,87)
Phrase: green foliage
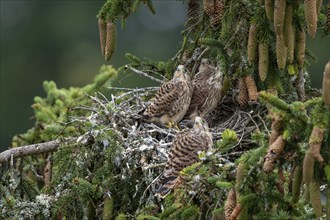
(190,212)
(113,10)
(121,216)
(107,171)
(53,113)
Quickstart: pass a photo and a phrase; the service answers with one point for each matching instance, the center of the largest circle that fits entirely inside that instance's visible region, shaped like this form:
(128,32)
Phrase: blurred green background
(58,40)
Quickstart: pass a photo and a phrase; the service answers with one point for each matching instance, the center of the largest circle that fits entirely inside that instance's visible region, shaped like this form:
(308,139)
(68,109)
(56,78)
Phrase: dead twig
(34,149)
(141,73)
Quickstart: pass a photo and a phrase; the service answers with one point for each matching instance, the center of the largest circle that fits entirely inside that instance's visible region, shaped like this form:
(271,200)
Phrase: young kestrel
(183,153)
(172,100)
(207,85)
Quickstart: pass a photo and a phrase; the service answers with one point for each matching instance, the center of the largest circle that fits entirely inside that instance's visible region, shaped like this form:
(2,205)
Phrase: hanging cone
(296,184)
(243,96)
(301,45)
(252,44)
(251,88)
(311,17)
(193,12)
(103,33)
(288,23)
(208,7)
(279,15)
(230,204)
(269,7)
(326,85)
(263,60)
(314,192)
(281,52)
(218,13)
(111,39)
(289,34)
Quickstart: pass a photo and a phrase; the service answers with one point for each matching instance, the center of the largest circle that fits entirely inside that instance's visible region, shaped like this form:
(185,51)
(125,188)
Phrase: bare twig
(139,72)
(33,149)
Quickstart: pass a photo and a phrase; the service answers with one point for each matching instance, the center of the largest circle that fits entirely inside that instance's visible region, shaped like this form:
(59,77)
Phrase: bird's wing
(200,94)
(166,95)
(183,153)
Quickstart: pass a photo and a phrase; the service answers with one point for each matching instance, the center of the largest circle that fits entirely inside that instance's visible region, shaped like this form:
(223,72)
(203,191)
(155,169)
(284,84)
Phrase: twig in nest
(153,166)
(139,72)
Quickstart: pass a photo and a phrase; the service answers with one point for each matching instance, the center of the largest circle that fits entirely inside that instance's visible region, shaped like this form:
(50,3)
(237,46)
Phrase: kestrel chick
(207,85)
(205,70)
(172,100)
(183,153)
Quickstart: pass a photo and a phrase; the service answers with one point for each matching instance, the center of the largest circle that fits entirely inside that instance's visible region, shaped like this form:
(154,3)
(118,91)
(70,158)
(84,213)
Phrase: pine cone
(281,52)
(107,207)
(308,168)
(251,88)
(263,60)
(110,40)
(193,12)
(215,20)
(300,47)
(240,176)
(288,23)
(289,34)
(218,13)
(243,96)
(296,184)
(230,204)
(326,85)
(291,46)
(279,15)
(328,17)
(311,17)
(208,7)
(269,6)
(314,192)
(103,33)
(252,44)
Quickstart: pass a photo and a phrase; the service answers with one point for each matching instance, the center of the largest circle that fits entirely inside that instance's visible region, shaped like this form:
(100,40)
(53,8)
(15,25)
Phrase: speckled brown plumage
(207,85)
(183,153)
(171,101)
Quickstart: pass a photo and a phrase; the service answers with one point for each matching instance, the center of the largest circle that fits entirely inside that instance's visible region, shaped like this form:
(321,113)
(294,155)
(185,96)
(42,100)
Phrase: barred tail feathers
(166,184)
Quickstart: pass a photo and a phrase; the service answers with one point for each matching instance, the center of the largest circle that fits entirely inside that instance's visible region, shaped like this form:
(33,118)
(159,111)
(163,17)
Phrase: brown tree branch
(33,149)
(139,72)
